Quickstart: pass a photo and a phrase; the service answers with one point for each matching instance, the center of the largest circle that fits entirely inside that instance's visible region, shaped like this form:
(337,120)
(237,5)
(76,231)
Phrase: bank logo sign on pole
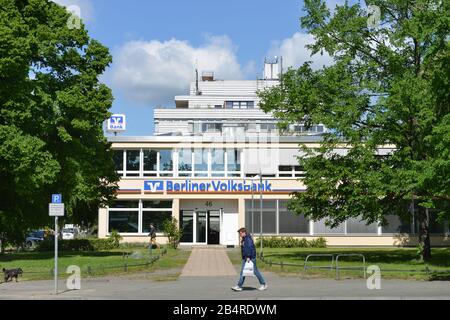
(117,122)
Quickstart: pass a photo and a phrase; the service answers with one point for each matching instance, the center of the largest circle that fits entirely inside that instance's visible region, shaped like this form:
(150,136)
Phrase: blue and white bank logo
(153,186)
(117,122)
(212,186)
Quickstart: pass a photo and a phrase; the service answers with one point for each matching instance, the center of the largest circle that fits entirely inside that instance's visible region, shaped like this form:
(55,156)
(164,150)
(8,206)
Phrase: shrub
(115,238)
(172,232)
(290,242)
(88,244)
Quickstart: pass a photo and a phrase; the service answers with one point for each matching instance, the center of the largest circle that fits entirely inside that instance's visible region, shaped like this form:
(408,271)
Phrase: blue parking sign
(56,198)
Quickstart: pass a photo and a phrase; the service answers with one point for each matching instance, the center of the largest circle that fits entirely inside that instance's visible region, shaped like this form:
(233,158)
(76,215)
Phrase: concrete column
(241,211)
(176,209)
(102,222)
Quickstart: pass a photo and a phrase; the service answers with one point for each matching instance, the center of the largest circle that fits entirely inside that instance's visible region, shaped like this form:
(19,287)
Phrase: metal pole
(260,209)
(56,255)
(253,209)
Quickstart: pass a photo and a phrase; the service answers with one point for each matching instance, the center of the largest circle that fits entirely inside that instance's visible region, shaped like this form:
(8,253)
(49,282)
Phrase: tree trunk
(424,235)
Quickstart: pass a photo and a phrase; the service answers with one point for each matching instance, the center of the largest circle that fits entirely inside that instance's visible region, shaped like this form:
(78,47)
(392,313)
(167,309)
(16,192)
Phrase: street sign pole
(56,255)
(56,209)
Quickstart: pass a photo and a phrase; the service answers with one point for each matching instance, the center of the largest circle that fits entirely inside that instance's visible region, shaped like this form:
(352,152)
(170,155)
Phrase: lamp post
(260,210)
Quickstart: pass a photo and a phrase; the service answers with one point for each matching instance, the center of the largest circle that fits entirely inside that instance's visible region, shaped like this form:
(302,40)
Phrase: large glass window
(201,162)
(165,162)
(320,227)
(185,162)
(233,162)
(150,162)
(124,221)
(133,162)
(218,162)
(356,225)
(290,222)
(118,160)
(396,224)
(155,217)
(269,215)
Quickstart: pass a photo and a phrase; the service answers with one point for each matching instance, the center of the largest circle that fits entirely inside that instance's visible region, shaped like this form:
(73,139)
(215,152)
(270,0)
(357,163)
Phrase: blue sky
(156,45)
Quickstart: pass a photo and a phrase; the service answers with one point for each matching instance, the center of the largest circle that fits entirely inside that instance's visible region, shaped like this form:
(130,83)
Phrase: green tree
(172,232)
(52,107)
(389,85)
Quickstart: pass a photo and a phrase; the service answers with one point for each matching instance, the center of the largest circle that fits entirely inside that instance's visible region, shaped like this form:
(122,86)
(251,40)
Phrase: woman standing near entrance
(248,252)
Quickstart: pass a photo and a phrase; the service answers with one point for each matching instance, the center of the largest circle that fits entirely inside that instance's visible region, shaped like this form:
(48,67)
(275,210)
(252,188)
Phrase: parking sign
(56,198)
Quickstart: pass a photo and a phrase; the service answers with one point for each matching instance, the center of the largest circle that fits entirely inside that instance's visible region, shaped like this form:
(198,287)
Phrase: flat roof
(287,139)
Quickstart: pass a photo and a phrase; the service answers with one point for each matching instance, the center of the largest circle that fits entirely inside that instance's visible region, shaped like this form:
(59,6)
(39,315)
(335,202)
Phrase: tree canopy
(52,109)
(389,85)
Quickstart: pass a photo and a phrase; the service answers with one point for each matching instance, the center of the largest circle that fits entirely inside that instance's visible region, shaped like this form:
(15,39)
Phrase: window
(124,221)
(239,104)
(291,171)
(118,160)
(285,171)
(396,224)
(299,171)
(356,225)
(233,162)
(321,228)
(124,204)
(165,163)
(150,163)
(152,204)
(124,215)
(201,162)
(155,217)
(267,126)
(211,127)
(185,162)
(132,163)
(217,162)
(290,222)
(269,215)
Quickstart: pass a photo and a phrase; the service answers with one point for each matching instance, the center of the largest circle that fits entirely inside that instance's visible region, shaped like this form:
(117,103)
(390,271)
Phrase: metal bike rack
(306,267)
(350,268)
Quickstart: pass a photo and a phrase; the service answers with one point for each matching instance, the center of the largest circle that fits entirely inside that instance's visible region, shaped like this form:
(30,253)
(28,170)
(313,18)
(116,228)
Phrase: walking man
(248,252)
(152,235)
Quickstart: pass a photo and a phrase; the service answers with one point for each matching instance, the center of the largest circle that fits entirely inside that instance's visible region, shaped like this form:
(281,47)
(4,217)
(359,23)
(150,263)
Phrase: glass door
(187,226)
(200,222)
(213,227)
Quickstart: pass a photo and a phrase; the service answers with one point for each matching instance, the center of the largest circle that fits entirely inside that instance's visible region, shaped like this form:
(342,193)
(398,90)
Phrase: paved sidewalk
(208,262)
(212,288)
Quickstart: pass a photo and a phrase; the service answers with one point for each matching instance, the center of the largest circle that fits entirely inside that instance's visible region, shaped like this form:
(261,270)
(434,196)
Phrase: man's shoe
(236,288)
(263,287)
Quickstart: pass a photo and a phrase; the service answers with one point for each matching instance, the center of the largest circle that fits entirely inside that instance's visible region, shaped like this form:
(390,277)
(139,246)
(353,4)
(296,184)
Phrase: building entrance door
(213,227)
(200,227)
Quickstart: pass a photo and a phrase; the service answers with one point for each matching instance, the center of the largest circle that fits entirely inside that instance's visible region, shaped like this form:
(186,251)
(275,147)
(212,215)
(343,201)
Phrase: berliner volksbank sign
(210,186)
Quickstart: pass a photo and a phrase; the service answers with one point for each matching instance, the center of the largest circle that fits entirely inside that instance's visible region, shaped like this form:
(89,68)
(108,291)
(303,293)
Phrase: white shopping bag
(248,269)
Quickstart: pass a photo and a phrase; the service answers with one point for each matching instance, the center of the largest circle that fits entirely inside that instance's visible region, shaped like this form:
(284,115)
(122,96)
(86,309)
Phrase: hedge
(289,242)
(89,244)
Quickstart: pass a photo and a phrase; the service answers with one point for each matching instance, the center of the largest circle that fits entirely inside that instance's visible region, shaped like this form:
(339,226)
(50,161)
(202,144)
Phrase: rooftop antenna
(196,82)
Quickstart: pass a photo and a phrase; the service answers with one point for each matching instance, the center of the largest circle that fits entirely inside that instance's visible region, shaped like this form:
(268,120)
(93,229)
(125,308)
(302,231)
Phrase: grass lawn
(38,265)
(393,262)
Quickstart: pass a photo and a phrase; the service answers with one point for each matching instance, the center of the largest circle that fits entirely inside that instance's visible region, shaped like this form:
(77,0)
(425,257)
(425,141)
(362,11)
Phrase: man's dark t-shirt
(152,233)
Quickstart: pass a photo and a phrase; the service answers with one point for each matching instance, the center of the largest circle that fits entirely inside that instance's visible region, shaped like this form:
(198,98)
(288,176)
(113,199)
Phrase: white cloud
(153,72)
(294,52)
(86,8)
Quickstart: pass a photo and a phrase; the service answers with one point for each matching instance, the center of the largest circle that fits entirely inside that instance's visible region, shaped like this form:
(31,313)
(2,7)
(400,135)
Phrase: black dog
(12,273)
